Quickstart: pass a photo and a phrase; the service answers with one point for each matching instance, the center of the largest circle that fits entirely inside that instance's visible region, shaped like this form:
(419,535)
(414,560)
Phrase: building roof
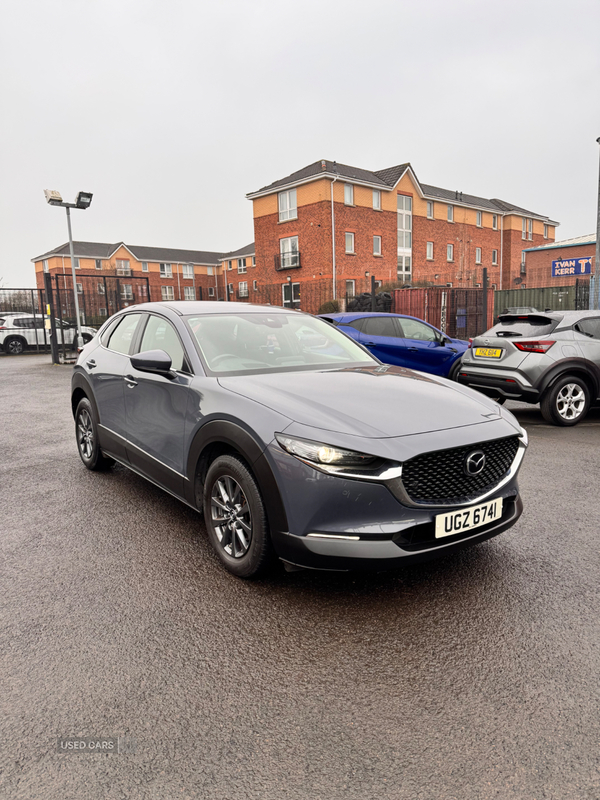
(576,242)
(387,178)
(243,251)
(141,252)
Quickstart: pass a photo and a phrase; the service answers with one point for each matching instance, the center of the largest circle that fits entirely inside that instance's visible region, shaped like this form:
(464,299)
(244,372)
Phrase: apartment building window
(351,288)
(377,245)
(79,288)
(253,261)
(377,199)
(527,230)
(241,265)
(450,252)
(166,271)
(101,288)
(209,270)
(288,252)
(450,213)
(243,288)
(102,312)
(188,293)
(349,242)
(144,266)
(45,264)
(126,291)
(545,231)
(167,293)
(255,285)
(495,221)
(142,291)
(123,267)
(188,271)
(348,194)
(230,288)
(429,251)
(403,267)
(430,209)
(291,295)
(287,205)
(98,263)
(479,219)
(404,205)
(494,257)
(211,291)
(478,255)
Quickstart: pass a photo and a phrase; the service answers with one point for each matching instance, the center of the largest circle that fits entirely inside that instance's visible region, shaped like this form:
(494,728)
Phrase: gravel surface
(468,678)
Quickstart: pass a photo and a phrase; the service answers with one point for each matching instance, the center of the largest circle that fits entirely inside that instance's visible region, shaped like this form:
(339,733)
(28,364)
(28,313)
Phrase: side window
(590,327)
(161,335)
(381,326)
(24,322)
(418,330)
(359,324)
(121,337)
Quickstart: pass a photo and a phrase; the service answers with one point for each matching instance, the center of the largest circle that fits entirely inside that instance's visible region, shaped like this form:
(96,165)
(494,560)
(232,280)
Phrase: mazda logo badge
(475,462)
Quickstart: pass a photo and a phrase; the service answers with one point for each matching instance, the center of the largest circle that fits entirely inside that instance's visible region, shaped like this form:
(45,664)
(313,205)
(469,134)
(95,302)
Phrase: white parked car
(18,331)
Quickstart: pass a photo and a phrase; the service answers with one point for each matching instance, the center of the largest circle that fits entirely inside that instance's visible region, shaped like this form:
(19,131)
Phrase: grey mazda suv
(550,358)
(292,439)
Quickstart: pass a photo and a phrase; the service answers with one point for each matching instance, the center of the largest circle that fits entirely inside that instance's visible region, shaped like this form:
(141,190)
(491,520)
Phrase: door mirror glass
(156,361)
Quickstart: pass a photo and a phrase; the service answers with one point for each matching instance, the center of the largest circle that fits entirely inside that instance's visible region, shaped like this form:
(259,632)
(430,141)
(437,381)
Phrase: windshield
(257,342)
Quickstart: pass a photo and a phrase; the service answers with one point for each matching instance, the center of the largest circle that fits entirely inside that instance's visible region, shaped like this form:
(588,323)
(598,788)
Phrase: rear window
(531,325)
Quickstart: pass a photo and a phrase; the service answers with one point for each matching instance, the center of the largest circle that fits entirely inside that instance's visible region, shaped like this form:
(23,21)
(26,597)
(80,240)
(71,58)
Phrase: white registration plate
(467,518)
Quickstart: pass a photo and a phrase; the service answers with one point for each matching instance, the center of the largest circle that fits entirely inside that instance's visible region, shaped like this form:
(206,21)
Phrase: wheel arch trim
(578,367)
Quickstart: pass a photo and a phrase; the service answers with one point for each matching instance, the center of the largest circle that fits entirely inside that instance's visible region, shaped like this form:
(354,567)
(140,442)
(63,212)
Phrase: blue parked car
(404,341)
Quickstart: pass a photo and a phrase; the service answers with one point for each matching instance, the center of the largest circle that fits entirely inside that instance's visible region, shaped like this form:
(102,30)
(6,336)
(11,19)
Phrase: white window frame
(479,219)
(288,205)
(253,261)
(189,293)
(349,240)
(123,267)
(230,265)
(450,213)
(376,245)
(430,209)
(352,285)
(79,288)
(209,271)
(102,312)
(167,293)
(126,291)
(98,263)
(187,272)
(144,266)
(377,199)
(545,231)
(478,255)
(241,266)
(255,286)
(166,270)
(495,222)
(211,291)
(348,194)
(494,257)
(530,224)
(449,252)
(429,251)
(243,288)
(101,288)
(288,253)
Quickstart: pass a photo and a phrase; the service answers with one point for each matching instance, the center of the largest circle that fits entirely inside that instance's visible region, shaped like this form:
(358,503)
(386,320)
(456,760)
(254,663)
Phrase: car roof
(188,307)
(350,315)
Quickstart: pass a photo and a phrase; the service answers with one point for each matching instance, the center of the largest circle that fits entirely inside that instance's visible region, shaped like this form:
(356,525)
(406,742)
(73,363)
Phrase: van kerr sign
(572,266)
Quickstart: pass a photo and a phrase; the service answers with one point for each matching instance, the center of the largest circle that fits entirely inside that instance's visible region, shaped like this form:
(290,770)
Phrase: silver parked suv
(18,331)
(550,358)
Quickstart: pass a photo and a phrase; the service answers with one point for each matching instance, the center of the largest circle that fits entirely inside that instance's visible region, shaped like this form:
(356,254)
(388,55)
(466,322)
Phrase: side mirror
(156,361)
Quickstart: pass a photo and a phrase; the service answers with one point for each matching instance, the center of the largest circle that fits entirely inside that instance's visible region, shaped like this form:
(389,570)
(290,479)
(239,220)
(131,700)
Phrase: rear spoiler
(534,319)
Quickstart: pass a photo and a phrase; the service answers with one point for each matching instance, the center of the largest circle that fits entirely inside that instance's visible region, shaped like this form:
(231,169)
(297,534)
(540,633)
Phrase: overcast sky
(170,112)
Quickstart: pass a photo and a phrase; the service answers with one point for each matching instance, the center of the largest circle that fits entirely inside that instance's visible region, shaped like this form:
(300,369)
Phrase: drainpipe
(333,239)
(501,248)
(178,284)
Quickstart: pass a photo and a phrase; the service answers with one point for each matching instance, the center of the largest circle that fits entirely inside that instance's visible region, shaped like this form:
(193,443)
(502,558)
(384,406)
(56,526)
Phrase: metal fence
(456,312)
(554,298)
(29,302)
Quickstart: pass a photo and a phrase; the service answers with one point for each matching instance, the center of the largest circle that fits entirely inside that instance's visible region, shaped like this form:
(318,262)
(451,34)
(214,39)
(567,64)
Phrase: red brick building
(388,224)
(572,260)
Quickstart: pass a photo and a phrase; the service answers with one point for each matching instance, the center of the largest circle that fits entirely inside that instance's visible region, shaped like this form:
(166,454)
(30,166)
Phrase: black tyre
(566,402)
(86,432)
(14,346)
(454,369)
(235,518)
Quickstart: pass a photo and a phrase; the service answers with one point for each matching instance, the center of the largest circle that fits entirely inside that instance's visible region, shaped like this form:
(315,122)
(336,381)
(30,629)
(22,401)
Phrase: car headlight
(324,454)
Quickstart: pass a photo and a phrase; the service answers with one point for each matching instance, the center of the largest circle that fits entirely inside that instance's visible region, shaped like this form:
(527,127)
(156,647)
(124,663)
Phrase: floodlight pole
(596,283)
(72,252)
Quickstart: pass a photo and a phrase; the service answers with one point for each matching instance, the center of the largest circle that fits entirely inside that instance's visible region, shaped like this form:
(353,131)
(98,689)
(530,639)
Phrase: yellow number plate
(488,352)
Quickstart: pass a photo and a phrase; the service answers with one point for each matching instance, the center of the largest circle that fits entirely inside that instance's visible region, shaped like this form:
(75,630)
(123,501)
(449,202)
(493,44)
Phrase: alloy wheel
(85,434)
(570,401)
(230,515)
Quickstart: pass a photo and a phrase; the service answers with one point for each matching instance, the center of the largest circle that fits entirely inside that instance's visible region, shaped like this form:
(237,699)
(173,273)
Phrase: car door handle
(372,343)
(91,363)
(131,382)
(413,349)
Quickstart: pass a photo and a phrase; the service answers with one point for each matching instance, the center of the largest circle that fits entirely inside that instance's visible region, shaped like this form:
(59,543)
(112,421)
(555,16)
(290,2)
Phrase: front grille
(439,478)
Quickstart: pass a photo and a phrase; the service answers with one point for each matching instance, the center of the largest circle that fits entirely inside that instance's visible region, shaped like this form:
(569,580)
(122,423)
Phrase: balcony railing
(287,260)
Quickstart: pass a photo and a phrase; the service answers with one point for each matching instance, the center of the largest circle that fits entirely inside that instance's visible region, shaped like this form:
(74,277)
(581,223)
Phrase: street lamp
(595,302)
(83,200)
